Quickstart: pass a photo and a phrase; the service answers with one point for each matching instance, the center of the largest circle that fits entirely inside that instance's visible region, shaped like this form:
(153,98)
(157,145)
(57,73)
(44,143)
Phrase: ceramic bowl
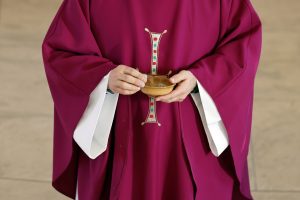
(157,85)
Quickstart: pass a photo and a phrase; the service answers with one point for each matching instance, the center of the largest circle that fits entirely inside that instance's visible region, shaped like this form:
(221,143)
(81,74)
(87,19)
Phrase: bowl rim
(149,74)
(154,87)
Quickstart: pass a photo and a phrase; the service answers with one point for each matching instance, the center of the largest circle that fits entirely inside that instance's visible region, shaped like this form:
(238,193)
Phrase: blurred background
(26,118)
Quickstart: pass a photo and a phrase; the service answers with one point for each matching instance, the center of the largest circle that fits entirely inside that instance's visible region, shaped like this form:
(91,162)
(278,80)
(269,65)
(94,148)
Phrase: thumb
(177,78)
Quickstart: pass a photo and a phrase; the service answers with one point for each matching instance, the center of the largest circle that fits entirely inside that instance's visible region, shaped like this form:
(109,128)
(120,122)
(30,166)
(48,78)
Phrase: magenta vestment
(219,41)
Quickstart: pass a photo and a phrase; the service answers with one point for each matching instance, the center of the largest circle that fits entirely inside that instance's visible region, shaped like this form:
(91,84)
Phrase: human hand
(126,80)
(186,83)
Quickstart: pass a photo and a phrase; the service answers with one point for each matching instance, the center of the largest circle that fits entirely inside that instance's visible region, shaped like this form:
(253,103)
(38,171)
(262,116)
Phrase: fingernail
(145,78)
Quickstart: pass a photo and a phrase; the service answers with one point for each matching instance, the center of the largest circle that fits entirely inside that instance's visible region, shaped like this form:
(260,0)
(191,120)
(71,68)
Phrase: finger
(170,100)
(125,92)
(132,80)
(174,94)
(178,77)
(133,72)
(175,99)
(127,86)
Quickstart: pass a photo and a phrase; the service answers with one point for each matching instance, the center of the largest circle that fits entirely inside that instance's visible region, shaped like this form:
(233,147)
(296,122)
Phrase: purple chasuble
(218,41)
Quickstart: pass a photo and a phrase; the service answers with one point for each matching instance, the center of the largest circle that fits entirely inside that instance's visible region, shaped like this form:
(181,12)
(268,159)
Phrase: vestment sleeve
(227,74)
(216,133)
(93,129)
(74,66)
(236,53)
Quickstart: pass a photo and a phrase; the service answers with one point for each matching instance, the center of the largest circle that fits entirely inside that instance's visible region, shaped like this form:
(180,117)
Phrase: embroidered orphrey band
(155,39)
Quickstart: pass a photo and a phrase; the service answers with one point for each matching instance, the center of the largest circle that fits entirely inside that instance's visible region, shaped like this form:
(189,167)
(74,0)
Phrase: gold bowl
(157,85)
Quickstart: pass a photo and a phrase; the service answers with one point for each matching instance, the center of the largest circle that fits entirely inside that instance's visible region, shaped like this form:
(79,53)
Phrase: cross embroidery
(155,39)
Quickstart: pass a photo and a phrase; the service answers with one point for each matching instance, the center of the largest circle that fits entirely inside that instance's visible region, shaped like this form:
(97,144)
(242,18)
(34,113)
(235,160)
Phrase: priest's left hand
(186,83)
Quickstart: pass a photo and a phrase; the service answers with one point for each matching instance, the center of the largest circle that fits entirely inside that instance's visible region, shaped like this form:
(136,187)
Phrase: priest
(113,142)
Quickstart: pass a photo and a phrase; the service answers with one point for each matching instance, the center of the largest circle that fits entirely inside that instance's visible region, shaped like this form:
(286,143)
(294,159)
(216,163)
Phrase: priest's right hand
(126,80)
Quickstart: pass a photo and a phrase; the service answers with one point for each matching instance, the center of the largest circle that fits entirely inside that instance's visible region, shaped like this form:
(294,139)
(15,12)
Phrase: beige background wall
(26,106)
